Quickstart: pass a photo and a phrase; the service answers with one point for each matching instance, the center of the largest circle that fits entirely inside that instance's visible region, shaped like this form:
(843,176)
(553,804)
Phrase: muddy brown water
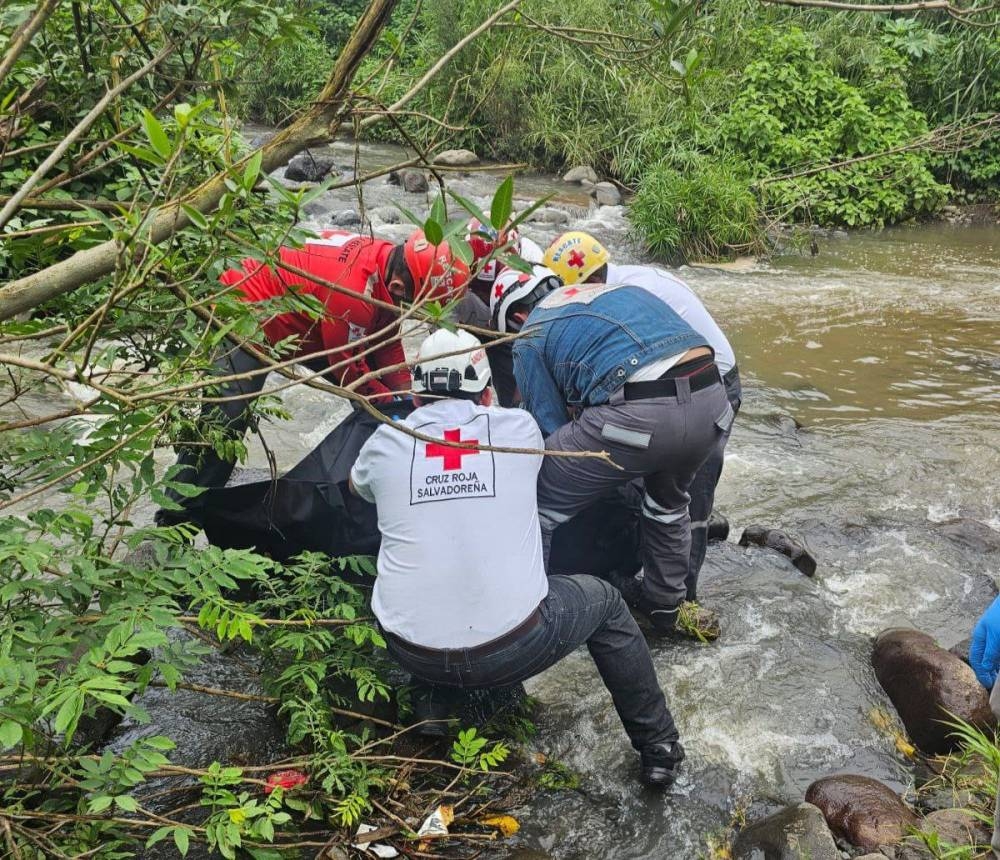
(869,430)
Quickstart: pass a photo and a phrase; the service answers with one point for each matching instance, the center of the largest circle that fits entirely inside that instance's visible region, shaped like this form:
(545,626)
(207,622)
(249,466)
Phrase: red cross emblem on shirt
(452,457)
(572,291)
(575,260)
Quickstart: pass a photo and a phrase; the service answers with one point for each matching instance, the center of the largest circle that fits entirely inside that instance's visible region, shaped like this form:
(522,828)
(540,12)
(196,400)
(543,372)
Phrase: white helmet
(436,372)
(514,287)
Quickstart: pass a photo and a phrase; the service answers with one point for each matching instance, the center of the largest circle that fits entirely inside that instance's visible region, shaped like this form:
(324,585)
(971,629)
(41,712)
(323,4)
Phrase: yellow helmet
(575,256)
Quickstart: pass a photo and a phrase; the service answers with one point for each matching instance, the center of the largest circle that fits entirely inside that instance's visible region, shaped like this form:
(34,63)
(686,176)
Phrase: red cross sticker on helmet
(575,259)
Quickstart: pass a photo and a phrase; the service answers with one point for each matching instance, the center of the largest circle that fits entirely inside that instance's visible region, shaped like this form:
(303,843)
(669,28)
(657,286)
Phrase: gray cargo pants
(664,441)
(702,489)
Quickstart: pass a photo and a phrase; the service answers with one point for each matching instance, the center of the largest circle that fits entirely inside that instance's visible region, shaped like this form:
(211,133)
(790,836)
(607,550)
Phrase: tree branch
(24,35)
(316,125)
(883,8)
(81,129)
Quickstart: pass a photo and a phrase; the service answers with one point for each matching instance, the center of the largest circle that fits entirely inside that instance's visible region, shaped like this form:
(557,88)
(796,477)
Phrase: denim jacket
(582,343)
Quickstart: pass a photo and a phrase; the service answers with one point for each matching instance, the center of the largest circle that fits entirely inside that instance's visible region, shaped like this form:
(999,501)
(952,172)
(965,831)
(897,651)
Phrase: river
(869,431)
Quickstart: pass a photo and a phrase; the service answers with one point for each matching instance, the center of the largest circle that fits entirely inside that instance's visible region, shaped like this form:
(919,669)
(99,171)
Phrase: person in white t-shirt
(461,593)
(578,258)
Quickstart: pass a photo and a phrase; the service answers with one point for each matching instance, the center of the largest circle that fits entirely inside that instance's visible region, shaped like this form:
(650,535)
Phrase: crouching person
(461,593)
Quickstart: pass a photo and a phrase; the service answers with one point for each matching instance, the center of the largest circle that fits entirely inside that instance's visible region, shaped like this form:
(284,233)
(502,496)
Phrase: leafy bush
(795,113)
(705,210)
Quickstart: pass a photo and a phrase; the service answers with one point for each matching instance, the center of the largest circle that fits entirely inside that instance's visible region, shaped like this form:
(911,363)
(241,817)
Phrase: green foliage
(557,776)
(469,750)
(704,210)
(796,113)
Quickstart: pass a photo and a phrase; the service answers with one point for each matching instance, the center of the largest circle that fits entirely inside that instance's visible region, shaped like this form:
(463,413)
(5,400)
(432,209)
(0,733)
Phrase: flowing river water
(869,431)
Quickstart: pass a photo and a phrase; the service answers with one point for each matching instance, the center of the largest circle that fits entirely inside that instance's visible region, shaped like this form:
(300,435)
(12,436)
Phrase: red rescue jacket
(348,260)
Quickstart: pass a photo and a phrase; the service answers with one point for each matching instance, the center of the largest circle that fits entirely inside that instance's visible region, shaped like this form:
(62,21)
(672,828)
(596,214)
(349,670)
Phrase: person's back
(461,559)
(683,300)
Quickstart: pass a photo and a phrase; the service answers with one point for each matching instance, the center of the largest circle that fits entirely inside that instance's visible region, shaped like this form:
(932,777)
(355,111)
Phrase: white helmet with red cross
(519,288)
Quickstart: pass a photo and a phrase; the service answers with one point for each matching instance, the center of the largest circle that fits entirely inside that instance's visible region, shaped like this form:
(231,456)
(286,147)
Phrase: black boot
(660,763)
(433,708)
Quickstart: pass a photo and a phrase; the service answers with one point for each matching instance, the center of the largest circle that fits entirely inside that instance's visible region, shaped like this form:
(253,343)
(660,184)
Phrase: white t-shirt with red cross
(461,556)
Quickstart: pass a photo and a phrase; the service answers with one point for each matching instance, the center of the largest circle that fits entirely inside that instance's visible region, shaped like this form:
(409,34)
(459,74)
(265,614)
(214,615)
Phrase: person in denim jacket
(611,368)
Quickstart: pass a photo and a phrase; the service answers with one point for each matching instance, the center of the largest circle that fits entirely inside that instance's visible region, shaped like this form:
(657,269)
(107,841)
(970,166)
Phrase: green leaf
(99,804)
(10,734)
(252,170)
(433,232)
(195,217)
(470,207)
(182,838)
(439,212)
(158,836)
(69,713)
(157,136)
(127,802)
(503,204)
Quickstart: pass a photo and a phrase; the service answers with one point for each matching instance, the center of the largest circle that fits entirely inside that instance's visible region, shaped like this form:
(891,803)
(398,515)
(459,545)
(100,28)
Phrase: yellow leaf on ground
(506,824)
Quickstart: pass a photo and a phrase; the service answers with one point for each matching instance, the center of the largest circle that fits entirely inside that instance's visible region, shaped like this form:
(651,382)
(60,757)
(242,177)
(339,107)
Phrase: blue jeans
(577,610)
(702,491)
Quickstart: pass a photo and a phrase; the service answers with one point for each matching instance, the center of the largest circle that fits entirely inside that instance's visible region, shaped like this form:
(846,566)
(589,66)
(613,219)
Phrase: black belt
(484,650)
(702,378)
(731,375)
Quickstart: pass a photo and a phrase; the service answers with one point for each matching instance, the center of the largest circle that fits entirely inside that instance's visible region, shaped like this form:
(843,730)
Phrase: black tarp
(311,508)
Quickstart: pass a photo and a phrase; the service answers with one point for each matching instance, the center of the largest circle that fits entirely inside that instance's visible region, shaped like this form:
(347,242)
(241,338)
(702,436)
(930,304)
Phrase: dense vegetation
(697,105)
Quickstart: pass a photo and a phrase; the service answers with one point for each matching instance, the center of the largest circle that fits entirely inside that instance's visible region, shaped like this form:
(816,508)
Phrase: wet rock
(781,542)
(956,827)
(961,649)
(718,527)
(387,214)
(925,684)
(870,857)
(793,833)
(606,194)
(347,218)
(584,173)
(549,215)
(392,178)
(861,810)
(413,181)
(456,158)
(317,210)
(306,167)
(971,534)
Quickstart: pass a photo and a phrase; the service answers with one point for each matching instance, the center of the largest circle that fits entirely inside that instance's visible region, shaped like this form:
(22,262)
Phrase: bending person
(365,268)
(463,606)
(579,258)
(611,368)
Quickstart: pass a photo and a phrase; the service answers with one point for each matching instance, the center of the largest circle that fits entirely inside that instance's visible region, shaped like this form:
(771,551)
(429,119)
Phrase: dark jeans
(577,610)
(702,490)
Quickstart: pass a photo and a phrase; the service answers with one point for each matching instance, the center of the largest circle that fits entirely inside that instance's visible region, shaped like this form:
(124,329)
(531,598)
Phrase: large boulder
(306,167)
(926,684)
(606,194)
(584,173)
(414,181)
(456,158)
(862,810)
(549,215)
(971,534)
(791,834)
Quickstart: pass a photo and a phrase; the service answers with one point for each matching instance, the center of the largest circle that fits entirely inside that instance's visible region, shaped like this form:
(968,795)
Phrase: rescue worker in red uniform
(357,279)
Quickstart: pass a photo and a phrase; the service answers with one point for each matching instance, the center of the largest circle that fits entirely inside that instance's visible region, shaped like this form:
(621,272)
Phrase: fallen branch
(885,8)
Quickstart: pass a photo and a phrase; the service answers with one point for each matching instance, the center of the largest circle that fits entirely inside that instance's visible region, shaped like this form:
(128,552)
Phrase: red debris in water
(285,779)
